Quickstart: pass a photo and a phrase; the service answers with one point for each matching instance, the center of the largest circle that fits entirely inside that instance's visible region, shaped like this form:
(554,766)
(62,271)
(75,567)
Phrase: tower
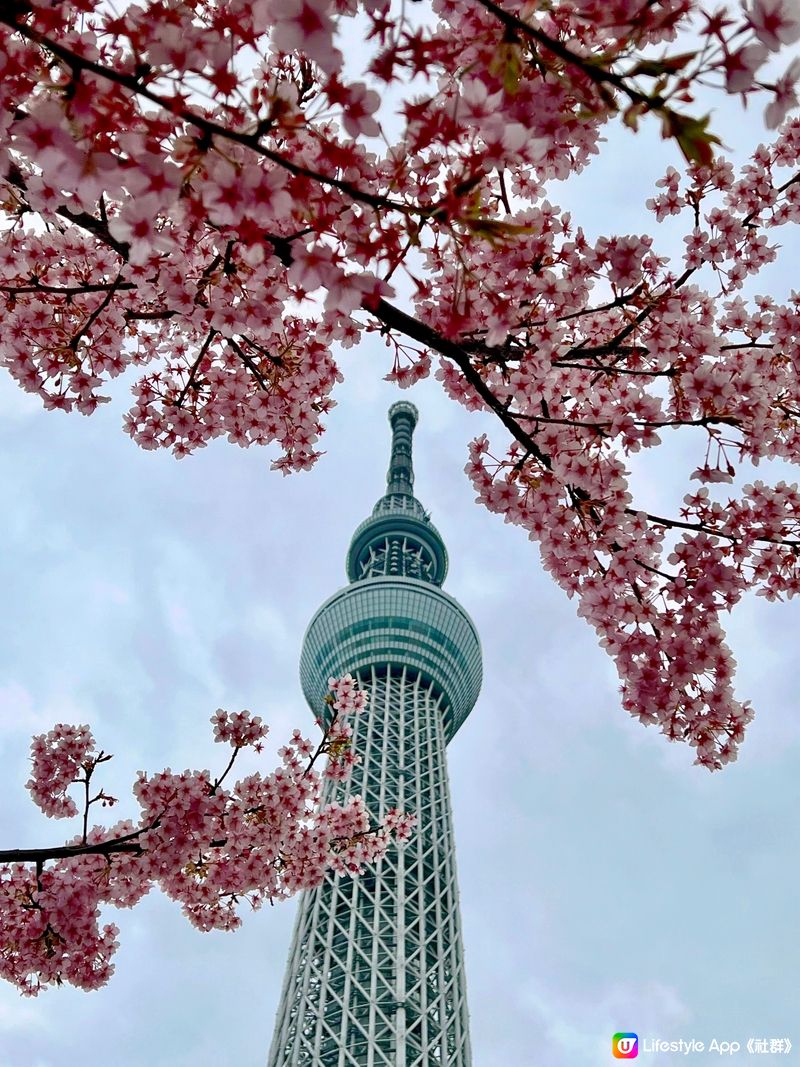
(375,976)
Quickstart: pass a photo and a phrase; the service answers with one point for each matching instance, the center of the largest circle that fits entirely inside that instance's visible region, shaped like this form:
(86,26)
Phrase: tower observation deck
(375,976)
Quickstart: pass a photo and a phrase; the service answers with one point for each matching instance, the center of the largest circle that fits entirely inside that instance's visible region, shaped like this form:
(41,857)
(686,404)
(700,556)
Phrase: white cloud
(577,1029)
(21,1015)
(15,404)
(21,713)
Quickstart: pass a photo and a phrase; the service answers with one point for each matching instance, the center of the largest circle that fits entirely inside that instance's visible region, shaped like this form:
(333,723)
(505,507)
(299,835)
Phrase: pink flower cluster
(207,846)
(345,701)
(58,758)
(401,824)
(239,729)
(583,384)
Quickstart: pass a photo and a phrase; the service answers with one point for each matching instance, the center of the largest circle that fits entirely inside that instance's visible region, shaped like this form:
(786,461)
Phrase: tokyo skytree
(375,976)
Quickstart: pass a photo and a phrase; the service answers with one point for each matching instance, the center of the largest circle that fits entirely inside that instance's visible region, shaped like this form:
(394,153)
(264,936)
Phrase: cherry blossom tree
(207,846)
(208,192)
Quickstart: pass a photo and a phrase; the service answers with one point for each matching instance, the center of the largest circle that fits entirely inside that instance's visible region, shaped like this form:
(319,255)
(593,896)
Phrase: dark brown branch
(700,527)
(610,346)
(75,339)
(249,363)
(79,218)
(76,290)
(653,570)
(396,319)
(601,369)
(706,420)
(749,344)
(161,313)
(595,73)
(61,852)
(195,366)
(209,127)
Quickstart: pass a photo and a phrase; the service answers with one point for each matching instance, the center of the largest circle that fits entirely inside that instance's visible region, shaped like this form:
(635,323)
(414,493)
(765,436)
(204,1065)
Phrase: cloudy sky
(606,883)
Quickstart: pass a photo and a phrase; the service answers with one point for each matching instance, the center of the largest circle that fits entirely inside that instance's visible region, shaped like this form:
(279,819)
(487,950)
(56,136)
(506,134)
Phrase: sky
(606,883)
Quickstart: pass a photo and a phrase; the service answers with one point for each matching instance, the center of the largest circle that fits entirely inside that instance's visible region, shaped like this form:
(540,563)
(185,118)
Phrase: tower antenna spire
(400,476)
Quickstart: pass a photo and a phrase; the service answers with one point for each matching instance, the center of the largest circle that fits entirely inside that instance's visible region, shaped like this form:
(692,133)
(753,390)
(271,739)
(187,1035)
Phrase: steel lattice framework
(375,976)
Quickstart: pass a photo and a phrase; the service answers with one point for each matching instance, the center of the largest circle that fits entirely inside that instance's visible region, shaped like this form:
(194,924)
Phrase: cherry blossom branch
(713,531)
(236,750)
(128,843)
(394,318)
(195,367)
(86,221)
(619,301)
(249,363)
(335,740)
(74,290)
(205,846)
(208,126)
(691,134)
(95,315)
(612,344)
(241,732)
(599,368)
(599,75)
(656,424)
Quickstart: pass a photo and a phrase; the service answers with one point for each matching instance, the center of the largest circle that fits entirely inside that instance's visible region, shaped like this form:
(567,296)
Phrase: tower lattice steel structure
(375,976)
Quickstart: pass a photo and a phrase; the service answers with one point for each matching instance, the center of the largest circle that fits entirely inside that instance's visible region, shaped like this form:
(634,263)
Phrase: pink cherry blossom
(58,758)
(307,25)
(776,22)
(741,66)
(44,137)
(206,845)
(785,96)
(139,227)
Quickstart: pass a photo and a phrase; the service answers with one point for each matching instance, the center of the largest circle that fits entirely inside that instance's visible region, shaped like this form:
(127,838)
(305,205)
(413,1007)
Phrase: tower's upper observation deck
(394,612)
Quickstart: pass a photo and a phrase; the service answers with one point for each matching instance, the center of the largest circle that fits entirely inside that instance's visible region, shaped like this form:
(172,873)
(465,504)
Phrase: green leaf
(692,135)
(654,68)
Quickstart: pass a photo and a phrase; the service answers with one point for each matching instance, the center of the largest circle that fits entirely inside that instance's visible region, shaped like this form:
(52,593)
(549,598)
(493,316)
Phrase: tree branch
(214,129)
(396,319)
